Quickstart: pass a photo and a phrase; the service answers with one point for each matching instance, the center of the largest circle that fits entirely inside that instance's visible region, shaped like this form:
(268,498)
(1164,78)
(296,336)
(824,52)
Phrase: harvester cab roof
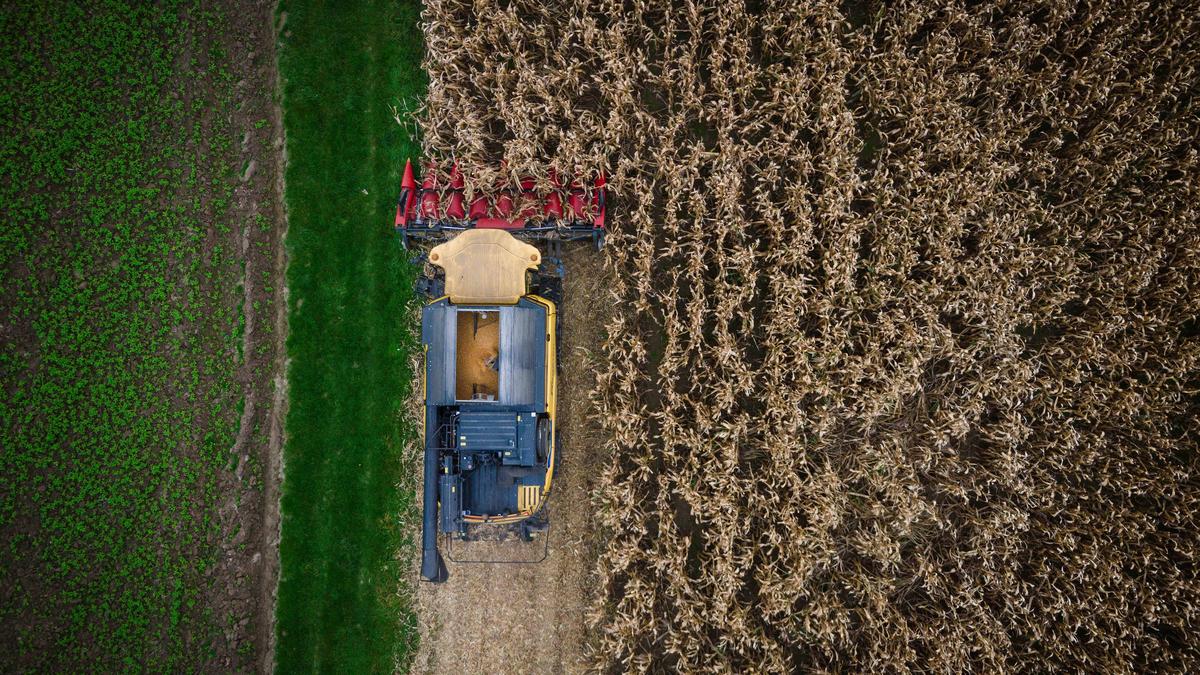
(485,267)
(489,333)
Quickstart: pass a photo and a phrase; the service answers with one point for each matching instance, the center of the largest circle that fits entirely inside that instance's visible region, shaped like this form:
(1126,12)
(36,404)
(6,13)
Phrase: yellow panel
(551,379)
(527,497)
(485,267)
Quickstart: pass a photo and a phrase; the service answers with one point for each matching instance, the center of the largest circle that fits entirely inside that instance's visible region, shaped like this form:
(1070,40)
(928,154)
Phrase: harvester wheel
(543,439)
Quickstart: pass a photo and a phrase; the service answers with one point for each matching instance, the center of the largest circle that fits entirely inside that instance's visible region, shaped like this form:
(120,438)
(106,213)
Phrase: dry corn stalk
(908,375)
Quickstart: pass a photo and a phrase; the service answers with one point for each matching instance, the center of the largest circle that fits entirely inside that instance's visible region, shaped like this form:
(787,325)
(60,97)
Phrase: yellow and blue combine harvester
(489,334)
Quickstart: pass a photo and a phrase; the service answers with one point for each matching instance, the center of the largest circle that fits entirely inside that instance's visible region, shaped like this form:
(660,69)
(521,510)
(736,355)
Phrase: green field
(347,495)
(120,311)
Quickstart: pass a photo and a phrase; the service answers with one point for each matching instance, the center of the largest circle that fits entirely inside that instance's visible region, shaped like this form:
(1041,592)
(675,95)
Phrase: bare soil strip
(273,468)
(247,571)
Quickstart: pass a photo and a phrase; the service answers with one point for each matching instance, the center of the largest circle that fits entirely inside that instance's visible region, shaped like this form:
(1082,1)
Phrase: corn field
(902,370)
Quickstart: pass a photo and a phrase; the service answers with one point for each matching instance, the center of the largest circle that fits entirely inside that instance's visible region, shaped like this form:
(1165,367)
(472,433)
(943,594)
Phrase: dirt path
(273,468)
(531,618)
(247,573)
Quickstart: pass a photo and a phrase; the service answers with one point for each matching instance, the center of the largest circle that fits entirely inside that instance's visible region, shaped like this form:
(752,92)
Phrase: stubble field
(903,366)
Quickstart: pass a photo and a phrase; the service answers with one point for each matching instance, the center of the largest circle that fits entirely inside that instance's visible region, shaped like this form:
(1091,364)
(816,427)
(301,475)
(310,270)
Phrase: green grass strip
(345,492)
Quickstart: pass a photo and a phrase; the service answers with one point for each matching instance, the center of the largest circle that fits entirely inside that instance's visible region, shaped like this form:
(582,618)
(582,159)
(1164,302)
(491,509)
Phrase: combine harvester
(489,335)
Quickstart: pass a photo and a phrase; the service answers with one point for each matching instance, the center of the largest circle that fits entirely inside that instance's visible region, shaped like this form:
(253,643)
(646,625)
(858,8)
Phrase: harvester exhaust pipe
(433,568)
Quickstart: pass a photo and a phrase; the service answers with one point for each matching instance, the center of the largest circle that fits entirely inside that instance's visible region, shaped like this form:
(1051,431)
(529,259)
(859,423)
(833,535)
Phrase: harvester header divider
(426,210)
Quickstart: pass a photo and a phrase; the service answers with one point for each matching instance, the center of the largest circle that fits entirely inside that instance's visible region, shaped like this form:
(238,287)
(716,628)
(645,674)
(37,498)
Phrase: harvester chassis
(490,337)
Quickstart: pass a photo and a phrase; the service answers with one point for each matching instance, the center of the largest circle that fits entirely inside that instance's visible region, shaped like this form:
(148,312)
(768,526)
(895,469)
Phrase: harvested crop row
(908,375)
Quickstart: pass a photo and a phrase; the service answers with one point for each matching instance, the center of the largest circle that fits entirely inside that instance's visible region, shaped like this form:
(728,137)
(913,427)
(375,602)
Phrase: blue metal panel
(487,431)
(511,435)
(523,355)
(439,333)
(450,494)
(526,452)
(482,493)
